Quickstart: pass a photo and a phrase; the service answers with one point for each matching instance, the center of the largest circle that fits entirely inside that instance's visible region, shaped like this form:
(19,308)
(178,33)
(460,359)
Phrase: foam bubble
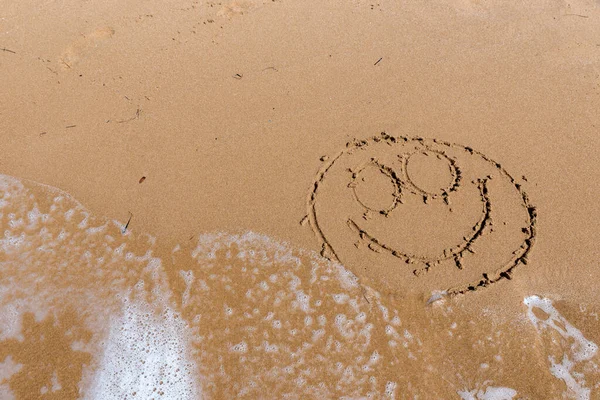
(390,389)
(241,347)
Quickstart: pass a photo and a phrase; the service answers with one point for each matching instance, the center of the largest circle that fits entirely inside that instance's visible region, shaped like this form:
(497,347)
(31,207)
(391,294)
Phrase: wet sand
(299,199)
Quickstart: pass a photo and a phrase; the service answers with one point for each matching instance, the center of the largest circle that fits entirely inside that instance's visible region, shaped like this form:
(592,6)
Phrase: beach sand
(272,199)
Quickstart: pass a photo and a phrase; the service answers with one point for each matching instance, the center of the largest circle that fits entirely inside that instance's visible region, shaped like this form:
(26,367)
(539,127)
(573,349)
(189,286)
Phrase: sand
(305,199)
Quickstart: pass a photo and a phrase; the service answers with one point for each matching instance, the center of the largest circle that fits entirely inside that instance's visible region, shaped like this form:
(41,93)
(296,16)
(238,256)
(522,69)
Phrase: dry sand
(315,199)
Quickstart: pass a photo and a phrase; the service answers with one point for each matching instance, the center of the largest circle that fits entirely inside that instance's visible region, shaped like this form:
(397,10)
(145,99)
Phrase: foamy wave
(88,310)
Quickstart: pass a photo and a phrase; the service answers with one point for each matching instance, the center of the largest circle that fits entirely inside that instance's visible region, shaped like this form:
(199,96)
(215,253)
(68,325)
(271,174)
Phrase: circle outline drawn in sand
(443,192)
(479,176)
(389,174)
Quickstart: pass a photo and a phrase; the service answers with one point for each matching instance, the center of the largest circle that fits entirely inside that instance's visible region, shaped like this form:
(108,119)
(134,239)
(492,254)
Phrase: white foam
(145,356)
(10,244)
(302,301)
(7,368)
(54,385)
(390,390)
(241,347)
(6,393)
(188,279)
(490,393)
(581,350)
(344,326)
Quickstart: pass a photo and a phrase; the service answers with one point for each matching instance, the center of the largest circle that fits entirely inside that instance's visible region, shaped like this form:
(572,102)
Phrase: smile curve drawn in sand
(421,214)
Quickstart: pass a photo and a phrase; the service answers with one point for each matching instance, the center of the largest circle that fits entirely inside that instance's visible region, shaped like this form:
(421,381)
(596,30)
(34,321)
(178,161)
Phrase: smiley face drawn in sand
(421,214)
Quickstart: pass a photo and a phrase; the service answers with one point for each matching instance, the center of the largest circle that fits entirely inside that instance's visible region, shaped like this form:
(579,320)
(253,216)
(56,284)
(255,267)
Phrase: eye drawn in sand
(82,46)
(414,213)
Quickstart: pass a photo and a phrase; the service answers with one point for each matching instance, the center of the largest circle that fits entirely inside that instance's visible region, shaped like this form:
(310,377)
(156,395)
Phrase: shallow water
(91,310)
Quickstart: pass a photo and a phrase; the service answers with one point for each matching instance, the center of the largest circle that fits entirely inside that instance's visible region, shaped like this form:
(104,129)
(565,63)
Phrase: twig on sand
(136,116)
(8,50)
(127,224)
(378,61)
(64,62)
(364,293)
